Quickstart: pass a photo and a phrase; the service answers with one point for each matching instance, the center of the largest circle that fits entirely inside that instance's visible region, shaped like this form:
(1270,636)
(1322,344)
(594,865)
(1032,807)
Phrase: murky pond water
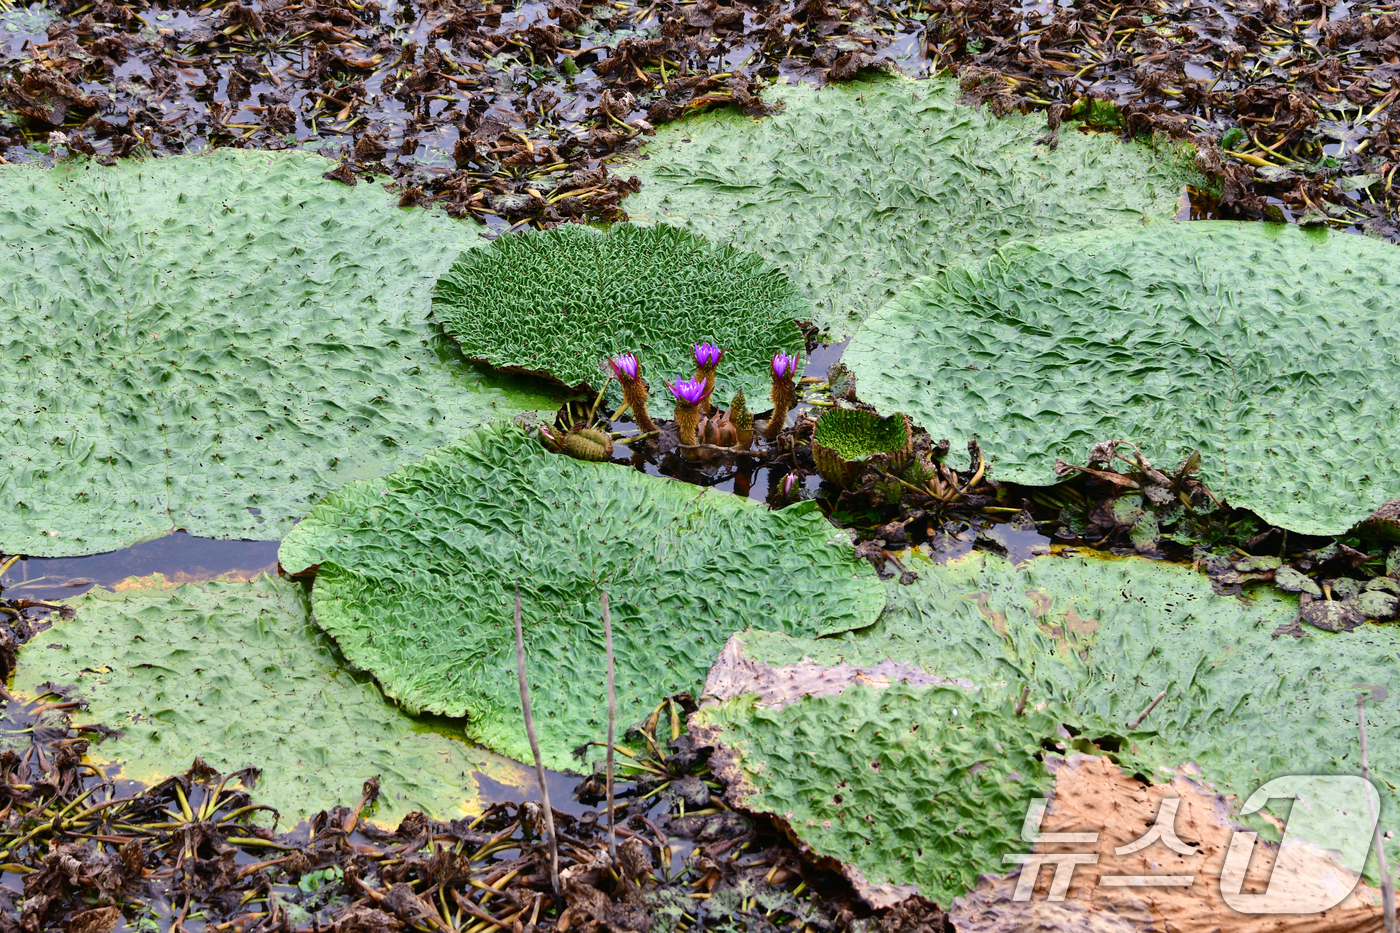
(178,557)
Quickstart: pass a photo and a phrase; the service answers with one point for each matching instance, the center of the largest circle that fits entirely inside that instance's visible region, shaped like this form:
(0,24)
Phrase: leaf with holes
(905,734)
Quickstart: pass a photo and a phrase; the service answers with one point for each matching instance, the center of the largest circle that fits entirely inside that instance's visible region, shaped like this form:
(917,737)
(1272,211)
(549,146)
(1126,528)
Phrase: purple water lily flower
(624,367)
(707,355)
(784,365)
(689,391)
(789,482)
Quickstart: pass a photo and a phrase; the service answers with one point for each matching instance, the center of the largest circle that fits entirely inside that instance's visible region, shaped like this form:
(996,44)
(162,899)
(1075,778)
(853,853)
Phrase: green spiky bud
(739,414)
(588,444)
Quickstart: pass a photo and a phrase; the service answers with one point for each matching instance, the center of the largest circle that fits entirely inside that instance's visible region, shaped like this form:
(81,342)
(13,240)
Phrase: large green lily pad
(238,674)
(418,570)
(1273,350)
(855,189)
(559,302)
(926,782)
(208,342)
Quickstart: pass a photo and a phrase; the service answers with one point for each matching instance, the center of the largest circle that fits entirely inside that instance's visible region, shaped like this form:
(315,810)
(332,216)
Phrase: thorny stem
(535,747)
(612,723)
(634,394)
(782,395)
(687,424)
(1387,889)
(592,412)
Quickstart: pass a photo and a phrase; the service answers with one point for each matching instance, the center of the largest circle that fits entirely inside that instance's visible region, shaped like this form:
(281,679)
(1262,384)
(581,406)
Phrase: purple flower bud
(690,391)
(624,367)
(789,481)
(784,365)
(707,355)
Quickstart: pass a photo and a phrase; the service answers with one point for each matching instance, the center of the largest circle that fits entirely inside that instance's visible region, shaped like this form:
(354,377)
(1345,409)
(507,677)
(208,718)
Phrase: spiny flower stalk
(689,393)
(784,392)
(707,359)
(628,372)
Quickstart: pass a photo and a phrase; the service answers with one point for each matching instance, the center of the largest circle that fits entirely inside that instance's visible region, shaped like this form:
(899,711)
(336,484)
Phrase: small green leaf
(558,302)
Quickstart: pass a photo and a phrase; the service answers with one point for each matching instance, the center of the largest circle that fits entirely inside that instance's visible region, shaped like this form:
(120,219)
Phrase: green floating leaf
(208,342)
(1273,351)
(559,302)
(238,674)
(418,570)
(926,782)
(855,189)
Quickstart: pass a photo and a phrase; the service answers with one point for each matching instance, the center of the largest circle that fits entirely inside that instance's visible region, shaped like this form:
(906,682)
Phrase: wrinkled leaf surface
(238,674)
(559,302)
(418,570)
(937,778)
(1274,351)
(855,189)
(208,342)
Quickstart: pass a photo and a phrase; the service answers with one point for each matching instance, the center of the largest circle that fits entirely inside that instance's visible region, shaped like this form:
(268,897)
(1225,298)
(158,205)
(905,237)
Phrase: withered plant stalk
(1387,888)
(612,724)
(535,747)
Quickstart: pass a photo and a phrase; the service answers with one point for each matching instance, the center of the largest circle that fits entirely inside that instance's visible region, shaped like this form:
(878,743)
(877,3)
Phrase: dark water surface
(179,557)
(743,476)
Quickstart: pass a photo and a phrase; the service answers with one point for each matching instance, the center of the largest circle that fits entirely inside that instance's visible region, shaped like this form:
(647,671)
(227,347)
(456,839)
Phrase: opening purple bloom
(624,366)
(789,481)
(690,391)
(784,365)
(707,355)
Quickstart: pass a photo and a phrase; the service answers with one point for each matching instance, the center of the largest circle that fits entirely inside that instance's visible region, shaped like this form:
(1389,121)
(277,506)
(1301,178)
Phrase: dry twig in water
(612,723)
(535,747)
(1387,889)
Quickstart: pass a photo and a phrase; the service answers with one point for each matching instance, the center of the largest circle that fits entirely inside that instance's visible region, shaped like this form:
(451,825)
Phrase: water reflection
(180,557)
